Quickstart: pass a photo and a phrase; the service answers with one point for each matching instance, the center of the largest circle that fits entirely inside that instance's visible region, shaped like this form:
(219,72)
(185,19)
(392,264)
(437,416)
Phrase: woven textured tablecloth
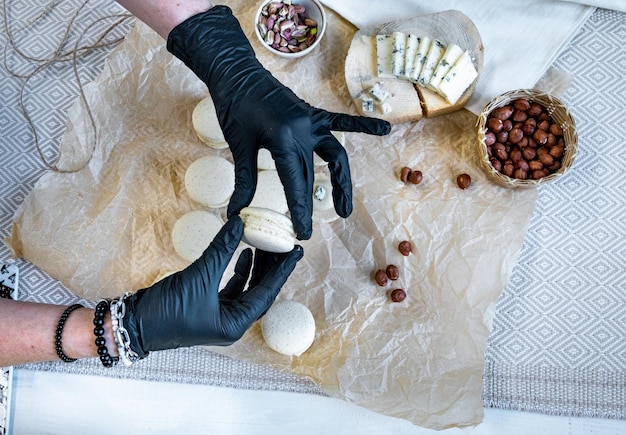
(558,341)
(558,336)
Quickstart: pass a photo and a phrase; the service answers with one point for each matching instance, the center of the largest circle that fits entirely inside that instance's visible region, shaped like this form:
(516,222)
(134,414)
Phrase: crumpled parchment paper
(105,229)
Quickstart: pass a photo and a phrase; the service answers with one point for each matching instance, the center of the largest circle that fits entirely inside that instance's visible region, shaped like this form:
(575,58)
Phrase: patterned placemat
(558,341)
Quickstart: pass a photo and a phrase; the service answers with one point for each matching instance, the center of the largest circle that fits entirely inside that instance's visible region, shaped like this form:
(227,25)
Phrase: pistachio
(286,27)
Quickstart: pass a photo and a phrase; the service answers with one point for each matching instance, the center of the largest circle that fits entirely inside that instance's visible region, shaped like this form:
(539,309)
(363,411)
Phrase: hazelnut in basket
(526,138)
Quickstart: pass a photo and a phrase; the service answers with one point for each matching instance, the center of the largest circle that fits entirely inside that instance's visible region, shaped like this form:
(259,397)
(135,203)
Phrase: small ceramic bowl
(290,29)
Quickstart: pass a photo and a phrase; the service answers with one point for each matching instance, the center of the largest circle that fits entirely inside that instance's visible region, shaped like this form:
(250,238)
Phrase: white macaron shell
(206,125)
(270,192)
(210,180)
(193,232)
(288,327)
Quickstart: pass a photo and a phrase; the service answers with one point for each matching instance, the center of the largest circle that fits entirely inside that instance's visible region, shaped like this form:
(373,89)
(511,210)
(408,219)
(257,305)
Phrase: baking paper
(105,229)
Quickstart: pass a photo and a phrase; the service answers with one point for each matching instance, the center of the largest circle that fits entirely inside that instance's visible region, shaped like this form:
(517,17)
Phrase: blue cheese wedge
(384,49)
(451,55)
(420,57)
(397,53)
(410,51)
(458,79)
(435,52)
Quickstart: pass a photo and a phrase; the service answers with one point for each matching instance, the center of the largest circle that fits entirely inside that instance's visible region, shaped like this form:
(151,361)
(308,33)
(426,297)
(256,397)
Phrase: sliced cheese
(397,53)
(452,54)
(384,49)
(420,57)
(458,79)
(412,44)
(435,52)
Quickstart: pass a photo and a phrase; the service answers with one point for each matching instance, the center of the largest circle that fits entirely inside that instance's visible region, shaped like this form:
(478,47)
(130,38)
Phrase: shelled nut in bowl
(526,138)
(290,29)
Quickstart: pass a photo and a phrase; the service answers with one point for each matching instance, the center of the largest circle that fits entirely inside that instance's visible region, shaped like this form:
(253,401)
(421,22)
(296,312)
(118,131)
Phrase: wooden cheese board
(408,101)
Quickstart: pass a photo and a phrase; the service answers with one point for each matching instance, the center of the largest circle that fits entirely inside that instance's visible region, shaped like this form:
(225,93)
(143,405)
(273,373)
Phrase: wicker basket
(558,113)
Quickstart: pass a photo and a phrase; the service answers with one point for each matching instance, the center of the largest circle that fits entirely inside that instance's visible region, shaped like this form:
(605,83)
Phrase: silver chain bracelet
(122,339)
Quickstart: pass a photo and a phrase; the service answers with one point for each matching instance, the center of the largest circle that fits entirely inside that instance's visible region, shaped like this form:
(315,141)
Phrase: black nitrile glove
(256,111)
(187,308)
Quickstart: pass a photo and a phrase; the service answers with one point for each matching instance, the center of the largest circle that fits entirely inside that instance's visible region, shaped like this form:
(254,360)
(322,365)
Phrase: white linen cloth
(617,5)
(521,38)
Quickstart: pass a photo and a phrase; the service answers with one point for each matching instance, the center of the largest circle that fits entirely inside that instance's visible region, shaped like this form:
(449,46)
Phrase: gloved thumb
(259,298)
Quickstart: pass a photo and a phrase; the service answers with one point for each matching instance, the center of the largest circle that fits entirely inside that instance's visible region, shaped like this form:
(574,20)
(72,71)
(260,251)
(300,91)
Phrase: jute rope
(60,54)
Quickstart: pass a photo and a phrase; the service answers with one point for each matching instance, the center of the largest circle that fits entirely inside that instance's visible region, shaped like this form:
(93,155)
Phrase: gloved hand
(187,308)
(256,111)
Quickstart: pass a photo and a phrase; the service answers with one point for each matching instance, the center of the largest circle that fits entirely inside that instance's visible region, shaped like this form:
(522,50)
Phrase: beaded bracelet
(98,320)
(59,332)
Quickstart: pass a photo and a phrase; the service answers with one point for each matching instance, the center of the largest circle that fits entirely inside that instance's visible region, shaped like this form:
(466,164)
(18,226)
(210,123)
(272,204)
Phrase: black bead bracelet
(59,332)
(98,320)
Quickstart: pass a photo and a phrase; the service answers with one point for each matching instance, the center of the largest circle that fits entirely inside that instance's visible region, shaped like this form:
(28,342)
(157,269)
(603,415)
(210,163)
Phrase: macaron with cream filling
(267,229)
(206,125)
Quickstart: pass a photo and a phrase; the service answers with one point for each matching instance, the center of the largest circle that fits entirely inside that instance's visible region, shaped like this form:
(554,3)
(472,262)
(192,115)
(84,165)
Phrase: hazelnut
(405,247)
(464,181)
(515,155)
(540,136)
(381,277)
(556,129)
(404,174)
(516,135)
(502,113)
(519,116)
(520,174)
(529,153)
(415,177)
(544,125)
(557,151)
(521,104)
(500,151)
(508,168)
(534,110)
(397,295)
(393,272)
(535,165)
(497,165)
(494,124)
(490,138)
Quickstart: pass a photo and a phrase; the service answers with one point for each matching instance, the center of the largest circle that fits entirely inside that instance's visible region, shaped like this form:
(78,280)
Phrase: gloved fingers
(258,299)
(264,261)
(214,260)
(245,180)
(332,152)
(359,124)
(296,175)
(238,281)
